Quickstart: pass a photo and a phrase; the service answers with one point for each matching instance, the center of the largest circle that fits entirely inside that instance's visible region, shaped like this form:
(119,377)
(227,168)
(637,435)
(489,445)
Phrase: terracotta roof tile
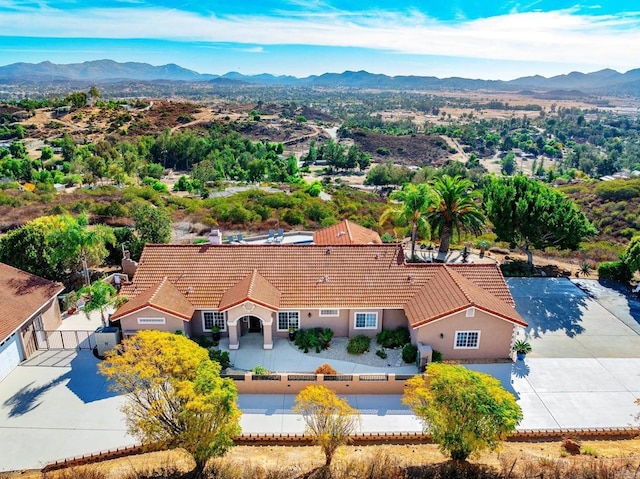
(21,295)
(253,288)
(341,276)
(449,292)
(346,232)
(162,296)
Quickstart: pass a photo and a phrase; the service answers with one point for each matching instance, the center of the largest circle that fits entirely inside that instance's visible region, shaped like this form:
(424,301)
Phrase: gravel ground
(338,351)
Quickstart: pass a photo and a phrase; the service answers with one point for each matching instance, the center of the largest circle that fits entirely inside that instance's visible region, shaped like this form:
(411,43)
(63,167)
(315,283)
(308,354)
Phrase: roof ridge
(346,223)
(252,282)
(455,278)
(157,290)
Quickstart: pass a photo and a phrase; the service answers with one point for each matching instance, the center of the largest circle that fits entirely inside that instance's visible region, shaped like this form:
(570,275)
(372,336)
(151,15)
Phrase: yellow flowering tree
(328,419)
(176,397)
(464,411)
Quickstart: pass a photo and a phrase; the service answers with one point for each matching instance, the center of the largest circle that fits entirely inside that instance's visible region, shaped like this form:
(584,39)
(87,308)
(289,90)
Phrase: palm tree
(415,201)
(454,210)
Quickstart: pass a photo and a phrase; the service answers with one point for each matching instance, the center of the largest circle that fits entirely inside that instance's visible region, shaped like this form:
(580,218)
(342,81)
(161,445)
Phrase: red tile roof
(346,232)
(449,292)
(21,295)
(254,288)
(162,296)
(314,276)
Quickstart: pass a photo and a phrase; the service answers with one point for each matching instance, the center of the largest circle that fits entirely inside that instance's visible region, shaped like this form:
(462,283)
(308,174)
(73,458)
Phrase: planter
(521,356)
(292,335)
(215,336)
(71,311)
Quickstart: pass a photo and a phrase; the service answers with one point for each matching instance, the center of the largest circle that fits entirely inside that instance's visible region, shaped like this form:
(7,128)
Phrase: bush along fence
(365,439)
(285,383)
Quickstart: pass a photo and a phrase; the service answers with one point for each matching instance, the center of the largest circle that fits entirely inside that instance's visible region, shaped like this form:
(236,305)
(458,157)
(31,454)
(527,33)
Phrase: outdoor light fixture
(441,335)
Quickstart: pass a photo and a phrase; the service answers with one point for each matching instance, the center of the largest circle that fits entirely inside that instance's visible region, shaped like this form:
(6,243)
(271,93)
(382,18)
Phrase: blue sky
(469,38)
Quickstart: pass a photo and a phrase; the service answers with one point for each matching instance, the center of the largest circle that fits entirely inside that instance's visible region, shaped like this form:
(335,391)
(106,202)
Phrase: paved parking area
(577,318)
(584,372)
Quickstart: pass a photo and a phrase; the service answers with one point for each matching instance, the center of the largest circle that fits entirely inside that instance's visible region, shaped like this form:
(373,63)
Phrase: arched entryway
(252,324)
(250,330)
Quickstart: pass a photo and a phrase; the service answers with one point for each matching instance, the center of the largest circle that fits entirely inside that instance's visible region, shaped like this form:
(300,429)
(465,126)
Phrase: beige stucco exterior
(51,320)
(130,323)
(495,340)
(237,326)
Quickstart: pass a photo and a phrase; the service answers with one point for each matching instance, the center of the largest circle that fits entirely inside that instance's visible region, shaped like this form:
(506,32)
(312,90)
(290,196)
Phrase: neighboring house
(346,232)
(462,310)
(28,303)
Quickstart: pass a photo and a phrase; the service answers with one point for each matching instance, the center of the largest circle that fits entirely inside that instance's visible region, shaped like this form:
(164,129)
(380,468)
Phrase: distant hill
(603,81)
(98,71)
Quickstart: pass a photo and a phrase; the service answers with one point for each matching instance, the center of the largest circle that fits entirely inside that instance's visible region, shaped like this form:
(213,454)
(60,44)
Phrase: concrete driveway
(577,318)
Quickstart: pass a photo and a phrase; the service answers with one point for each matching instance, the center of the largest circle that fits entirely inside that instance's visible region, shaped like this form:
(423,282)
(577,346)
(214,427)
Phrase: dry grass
(615,459)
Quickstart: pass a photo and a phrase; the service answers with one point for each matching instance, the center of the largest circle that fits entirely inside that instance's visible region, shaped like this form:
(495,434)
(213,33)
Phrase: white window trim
(329,313)
(455,340)
(223,329)
(150,320)
(355,320)
(278,320)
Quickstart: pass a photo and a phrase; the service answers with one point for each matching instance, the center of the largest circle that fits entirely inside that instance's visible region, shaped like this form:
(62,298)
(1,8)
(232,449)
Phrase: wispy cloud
(560,36)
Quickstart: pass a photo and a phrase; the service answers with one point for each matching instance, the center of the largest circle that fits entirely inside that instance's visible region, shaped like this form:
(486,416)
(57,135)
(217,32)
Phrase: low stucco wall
(341,384)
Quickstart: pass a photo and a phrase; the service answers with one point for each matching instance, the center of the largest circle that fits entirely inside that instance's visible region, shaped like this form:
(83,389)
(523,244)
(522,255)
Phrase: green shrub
(314,338)
(260,370)
(516,268)
(615,271)
(359,344)
(221,357)
(381,353)
(392,339)
(436,356)
(409,353)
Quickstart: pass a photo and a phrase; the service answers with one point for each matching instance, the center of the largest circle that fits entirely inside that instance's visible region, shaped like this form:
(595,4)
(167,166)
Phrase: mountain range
(101,71)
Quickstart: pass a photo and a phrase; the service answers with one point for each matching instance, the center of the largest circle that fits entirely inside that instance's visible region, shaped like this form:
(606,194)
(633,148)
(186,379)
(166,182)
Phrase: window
(467,339)
(287,319)
(366,321)
(329,312)
(151,321)
(37,323)
(214,318)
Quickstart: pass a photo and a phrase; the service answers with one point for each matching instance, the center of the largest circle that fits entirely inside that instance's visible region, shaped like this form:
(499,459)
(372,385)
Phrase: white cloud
(559,36)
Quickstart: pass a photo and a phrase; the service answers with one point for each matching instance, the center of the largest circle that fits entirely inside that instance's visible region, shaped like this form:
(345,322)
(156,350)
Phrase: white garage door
(9,355)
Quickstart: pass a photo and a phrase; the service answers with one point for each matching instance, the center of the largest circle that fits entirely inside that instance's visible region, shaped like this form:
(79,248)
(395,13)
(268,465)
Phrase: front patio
(286,357)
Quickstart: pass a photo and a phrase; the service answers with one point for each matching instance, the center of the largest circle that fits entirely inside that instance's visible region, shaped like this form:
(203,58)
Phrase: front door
(255,325)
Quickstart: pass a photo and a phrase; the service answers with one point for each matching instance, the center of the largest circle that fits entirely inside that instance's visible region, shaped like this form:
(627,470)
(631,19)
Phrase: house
(462,310)
(346,232)
(29,303)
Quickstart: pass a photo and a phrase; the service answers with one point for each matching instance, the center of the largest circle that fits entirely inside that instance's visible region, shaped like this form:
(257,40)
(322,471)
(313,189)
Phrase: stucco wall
(495,336)
(366,332)
(339,324)
(51,315)
(51,320)
(172,323)
(394,318)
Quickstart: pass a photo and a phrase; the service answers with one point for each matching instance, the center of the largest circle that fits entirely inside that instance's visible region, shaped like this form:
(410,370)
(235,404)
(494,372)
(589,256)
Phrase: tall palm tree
(454,210)
(415,201)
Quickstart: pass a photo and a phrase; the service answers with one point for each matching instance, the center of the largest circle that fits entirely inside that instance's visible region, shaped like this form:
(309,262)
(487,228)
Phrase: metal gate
(64,339)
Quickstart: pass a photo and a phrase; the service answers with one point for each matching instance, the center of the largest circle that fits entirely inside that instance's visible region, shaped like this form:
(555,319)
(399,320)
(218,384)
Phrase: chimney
(215,237)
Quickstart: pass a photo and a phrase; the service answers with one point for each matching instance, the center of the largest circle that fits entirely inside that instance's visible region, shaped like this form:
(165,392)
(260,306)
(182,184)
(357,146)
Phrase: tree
(153,224)
(454,210)
(415,201)
(77,243)
(101,296)
(175,395)
(631,254)
(529,214)
(328,419)
(464,411)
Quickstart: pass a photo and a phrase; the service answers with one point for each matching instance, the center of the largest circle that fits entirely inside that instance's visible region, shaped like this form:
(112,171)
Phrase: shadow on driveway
(83,380)
(549,305)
